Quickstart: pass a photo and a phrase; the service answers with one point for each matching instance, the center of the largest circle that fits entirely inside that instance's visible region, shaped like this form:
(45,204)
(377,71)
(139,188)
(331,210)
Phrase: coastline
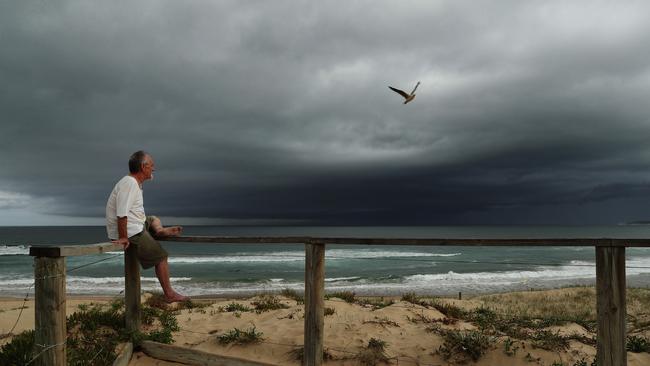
(440,285)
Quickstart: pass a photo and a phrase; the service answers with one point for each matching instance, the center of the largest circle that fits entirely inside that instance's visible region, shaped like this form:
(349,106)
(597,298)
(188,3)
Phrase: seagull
(408,97)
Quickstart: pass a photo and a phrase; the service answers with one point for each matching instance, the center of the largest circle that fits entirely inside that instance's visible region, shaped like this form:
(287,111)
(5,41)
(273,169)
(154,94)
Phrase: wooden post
(314,303)
(49,294)
(132,290)
(610,301)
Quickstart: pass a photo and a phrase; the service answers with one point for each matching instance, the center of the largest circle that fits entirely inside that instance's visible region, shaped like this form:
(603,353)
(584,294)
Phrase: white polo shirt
(125,200)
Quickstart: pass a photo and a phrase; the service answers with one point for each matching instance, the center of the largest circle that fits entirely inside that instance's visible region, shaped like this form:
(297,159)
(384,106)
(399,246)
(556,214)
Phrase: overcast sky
(278,112)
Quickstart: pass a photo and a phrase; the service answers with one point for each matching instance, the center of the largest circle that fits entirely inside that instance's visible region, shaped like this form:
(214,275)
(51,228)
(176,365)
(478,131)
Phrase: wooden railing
(50,297)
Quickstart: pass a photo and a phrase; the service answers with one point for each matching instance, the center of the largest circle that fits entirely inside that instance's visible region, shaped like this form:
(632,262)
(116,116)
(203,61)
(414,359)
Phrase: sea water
(244,269)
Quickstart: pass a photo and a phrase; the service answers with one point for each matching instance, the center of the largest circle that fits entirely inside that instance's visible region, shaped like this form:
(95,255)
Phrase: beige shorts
(149,251)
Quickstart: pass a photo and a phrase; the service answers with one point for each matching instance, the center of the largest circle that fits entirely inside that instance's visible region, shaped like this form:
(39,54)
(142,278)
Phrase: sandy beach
(411,333)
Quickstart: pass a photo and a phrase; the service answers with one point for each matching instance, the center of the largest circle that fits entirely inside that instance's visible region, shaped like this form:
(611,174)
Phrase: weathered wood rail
(50,298)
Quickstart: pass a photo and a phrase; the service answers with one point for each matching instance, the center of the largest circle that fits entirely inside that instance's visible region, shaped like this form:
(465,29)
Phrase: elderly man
(127,224)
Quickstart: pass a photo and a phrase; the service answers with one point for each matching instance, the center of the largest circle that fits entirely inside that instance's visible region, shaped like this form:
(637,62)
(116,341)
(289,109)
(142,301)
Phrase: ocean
(245,269)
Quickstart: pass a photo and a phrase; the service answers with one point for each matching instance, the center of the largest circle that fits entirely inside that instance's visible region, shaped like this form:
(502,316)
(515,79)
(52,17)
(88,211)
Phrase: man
(127,224)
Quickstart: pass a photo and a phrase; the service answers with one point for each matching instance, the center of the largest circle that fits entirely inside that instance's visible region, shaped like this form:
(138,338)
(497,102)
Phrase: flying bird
(408,97)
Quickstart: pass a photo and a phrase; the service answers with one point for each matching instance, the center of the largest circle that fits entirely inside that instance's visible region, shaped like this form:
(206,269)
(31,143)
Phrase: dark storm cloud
(281,111)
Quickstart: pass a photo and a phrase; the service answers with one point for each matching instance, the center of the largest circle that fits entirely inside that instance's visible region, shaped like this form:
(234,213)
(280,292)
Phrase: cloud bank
(528,113)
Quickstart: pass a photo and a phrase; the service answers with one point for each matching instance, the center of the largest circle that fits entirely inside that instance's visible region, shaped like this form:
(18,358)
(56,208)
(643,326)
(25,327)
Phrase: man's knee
(154,224)
(154,221)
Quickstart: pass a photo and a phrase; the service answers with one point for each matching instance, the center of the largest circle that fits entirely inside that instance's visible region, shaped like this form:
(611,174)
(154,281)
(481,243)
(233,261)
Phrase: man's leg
(158,230)
(162,272)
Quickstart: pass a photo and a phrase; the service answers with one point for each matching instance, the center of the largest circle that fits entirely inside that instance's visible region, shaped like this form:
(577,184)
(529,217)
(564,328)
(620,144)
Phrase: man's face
(148,167)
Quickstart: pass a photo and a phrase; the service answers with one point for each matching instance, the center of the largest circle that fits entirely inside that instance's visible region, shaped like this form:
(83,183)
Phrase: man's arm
(121,231)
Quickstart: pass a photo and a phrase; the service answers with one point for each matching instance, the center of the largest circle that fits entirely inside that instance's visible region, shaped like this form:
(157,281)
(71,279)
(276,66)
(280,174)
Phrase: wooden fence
(50,290)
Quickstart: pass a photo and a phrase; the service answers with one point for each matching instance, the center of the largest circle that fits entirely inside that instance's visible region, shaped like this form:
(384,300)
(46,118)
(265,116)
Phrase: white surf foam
(577,269)
(577,272)
(236,259)
(299,256)
(370,254)
(14,249)
(339,279)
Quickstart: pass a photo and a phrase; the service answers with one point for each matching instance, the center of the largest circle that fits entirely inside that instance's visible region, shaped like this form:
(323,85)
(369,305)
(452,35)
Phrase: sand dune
(403,326)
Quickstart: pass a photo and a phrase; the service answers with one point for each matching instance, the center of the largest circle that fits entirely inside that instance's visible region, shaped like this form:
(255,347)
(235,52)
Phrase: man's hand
(122,232)
(123,241)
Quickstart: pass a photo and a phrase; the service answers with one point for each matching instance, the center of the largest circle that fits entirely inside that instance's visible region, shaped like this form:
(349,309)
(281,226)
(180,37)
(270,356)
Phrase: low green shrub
(168,321)
(238,336)
(161,336)
(550,341)
(268,303)
(149,314)
(450,310)
(93,333)
(637,344)
(19,350)
(234,307)
(484,317)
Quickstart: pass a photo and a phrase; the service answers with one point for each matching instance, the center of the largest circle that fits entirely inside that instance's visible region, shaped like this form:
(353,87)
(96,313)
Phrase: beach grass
(94,331)
(240,337)
(234,307)
(463,346)
(268,302)
(294,295)
(347,296)
(577,304)
(373,353)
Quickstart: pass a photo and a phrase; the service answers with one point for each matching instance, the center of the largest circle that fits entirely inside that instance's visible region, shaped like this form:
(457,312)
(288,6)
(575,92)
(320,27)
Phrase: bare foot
(176,297)
(170,231)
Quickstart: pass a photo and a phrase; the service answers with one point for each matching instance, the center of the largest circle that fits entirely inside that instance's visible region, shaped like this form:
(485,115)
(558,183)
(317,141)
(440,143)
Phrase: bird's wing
(416,86)
(400,92)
